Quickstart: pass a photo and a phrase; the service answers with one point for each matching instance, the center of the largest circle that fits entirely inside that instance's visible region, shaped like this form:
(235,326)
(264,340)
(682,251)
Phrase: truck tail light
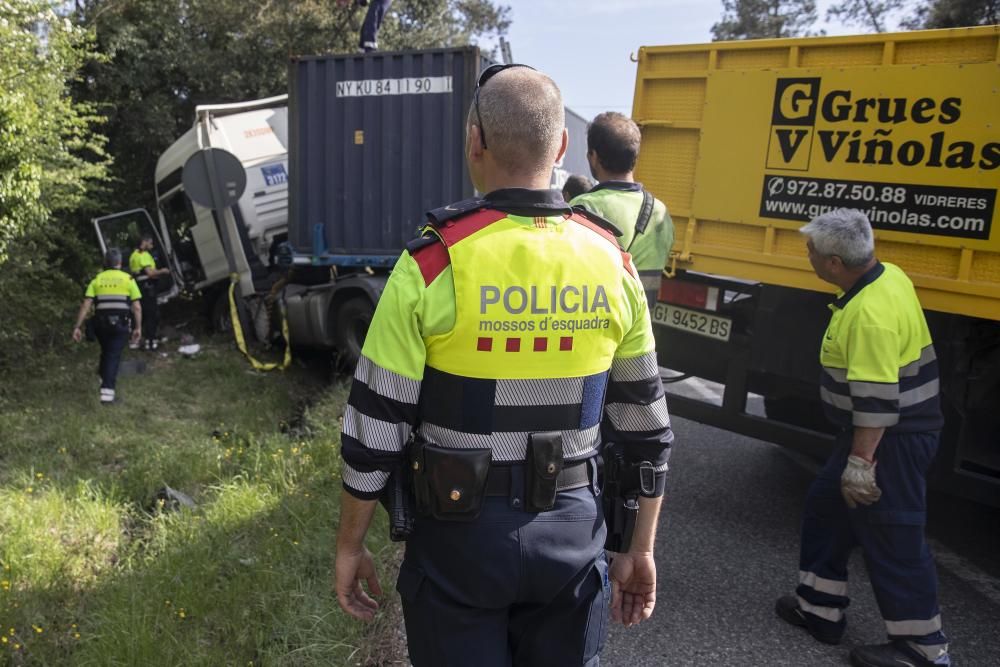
(692,295)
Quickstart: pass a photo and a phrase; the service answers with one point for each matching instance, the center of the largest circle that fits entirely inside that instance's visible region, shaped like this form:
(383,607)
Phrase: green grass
(95,571)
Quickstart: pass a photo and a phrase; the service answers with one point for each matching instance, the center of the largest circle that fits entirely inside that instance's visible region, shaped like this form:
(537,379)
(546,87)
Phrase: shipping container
(378,139)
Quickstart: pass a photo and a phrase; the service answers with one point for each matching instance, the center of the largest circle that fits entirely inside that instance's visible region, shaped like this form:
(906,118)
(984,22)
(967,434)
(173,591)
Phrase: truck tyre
(353,318)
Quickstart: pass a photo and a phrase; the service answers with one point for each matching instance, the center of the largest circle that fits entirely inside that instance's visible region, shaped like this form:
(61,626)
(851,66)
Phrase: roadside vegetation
(98,567)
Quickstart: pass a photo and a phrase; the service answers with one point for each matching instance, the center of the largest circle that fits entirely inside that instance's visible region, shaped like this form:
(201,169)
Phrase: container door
(124,231)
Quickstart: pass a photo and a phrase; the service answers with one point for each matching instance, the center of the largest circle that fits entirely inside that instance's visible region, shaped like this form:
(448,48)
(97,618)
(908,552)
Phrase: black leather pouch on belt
(543,463)
(450,484)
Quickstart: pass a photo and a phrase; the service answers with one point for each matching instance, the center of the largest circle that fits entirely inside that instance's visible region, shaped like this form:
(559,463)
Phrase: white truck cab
(187,234)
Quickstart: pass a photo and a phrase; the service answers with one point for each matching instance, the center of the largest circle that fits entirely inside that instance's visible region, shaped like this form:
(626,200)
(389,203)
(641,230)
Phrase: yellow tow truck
(747,141)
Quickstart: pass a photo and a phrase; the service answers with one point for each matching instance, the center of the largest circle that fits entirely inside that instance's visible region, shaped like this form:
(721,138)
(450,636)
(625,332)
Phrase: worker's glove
(857,483)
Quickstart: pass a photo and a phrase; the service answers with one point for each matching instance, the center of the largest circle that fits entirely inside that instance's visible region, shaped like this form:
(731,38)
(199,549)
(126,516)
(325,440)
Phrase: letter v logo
(789,141)
(790,148)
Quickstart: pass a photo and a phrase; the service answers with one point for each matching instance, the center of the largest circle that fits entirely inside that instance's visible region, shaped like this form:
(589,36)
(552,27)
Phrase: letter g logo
(795,101)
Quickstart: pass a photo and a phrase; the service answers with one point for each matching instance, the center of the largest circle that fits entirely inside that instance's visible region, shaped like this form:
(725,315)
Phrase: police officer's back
(495,343)
(115,297)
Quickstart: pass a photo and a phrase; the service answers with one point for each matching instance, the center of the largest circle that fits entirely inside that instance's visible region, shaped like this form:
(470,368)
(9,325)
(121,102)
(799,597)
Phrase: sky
(584,45)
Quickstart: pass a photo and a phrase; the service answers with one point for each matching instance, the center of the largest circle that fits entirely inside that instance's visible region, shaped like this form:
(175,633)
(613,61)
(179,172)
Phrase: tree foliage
(755,19)
(164,57)
(51,157)
(52,165)
(871,14)
(954,14)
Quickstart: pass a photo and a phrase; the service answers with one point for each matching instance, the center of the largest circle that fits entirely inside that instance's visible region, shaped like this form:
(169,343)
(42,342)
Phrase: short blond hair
(523,118)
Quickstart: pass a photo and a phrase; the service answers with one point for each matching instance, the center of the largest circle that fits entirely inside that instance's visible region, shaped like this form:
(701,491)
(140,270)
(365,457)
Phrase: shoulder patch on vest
(604,223)
(439,216)
(456,229)
(608,236)
(431,256)
(426,239)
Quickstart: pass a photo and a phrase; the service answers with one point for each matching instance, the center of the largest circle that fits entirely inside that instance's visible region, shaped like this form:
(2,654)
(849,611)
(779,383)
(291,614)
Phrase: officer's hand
(350,569)
(633,587)
(136,334)
(857,483)
(77,334)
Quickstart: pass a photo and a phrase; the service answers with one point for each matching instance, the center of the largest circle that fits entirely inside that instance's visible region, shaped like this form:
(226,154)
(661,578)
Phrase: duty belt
(575,474)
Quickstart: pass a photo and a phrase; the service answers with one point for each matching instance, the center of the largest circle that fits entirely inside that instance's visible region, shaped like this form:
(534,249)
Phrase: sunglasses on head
(485,76)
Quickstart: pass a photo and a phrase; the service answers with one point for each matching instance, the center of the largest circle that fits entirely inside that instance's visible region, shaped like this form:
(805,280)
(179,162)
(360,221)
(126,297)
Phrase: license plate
(702,324)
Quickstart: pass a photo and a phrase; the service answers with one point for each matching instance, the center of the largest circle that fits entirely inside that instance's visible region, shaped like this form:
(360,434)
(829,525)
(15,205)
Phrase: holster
(398,502)
(449,484)
(624,482)
(542,465)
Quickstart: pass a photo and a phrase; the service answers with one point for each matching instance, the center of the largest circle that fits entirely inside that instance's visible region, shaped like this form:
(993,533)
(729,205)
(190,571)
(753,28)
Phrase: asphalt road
(728,547)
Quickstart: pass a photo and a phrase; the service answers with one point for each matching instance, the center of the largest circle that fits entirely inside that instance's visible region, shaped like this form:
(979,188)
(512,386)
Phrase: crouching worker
(115,296)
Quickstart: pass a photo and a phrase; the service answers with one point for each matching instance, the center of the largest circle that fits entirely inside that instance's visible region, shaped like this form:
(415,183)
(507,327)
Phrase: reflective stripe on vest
(111,302)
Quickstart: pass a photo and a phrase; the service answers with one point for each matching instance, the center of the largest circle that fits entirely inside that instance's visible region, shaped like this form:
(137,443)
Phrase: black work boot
(895,654)
(788,609)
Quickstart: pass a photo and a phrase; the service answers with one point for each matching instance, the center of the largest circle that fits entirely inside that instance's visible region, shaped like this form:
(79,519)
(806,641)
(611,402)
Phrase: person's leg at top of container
(373,21)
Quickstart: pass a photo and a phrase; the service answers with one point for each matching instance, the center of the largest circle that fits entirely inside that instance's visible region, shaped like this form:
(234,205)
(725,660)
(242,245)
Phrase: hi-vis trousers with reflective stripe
(891,533)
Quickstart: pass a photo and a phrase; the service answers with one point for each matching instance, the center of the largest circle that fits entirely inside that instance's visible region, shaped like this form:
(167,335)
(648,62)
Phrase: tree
(164,57)
(954,14)
(864,13)
(52,163)
(50,154)
(754,19)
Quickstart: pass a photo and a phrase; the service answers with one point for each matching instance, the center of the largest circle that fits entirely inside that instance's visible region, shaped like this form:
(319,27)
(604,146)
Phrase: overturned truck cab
(339,174)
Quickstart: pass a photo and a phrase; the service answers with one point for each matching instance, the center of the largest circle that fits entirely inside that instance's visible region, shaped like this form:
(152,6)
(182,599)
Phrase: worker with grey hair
(114,295)
(647,231)
(879,385)
(510,336)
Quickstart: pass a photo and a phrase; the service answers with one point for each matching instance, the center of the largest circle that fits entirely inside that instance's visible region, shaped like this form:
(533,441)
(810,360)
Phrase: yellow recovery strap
(241,341)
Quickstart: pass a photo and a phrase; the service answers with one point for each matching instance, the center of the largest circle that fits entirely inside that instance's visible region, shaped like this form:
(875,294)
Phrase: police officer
(647,231)
(508,338)
(880,385)
(143,268)
(114,295)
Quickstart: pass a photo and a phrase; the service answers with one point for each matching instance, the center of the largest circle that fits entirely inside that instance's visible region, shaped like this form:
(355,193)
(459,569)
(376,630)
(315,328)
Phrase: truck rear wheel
(353,318)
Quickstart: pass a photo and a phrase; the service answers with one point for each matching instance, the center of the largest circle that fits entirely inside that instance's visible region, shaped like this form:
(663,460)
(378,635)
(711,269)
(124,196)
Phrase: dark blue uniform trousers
(150,309)
(891,533)
(112,334)
(373,21)
(510,588)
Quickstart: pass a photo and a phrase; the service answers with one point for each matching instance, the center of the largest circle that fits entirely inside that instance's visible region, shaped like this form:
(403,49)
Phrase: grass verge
(96,568)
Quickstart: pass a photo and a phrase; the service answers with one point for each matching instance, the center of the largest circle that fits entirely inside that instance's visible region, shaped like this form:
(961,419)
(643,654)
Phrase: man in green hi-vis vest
(647,230)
